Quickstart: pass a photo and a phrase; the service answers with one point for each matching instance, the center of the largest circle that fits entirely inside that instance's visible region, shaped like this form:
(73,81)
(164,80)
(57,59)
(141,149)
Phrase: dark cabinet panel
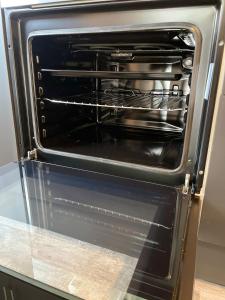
(4,287)
(15,289)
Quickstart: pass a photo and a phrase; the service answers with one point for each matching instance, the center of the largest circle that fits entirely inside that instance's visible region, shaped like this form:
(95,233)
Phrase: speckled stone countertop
(75,267)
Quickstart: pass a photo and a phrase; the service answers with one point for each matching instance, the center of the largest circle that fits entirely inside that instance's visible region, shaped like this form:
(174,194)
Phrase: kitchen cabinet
(15,289)
(4,286)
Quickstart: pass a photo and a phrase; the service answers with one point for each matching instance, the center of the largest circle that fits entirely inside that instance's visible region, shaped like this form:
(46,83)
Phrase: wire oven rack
(134,100)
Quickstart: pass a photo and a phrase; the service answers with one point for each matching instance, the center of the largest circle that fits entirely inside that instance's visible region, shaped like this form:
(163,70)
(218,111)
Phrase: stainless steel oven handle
(4,293)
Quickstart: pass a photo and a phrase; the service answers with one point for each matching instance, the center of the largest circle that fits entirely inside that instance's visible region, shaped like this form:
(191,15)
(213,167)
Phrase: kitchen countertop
(73,266)
(80,234)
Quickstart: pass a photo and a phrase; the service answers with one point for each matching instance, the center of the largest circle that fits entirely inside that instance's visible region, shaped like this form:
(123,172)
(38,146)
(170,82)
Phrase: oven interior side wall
(120,96)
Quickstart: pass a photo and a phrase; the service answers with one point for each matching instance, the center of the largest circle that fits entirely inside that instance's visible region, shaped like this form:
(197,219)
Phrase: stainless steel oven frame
(192,18)
(209,40)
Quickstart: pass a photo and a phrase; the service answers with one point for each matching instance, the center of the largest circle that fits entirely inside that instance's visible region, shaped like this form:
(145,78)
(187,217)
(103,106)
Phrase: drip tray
(141,124)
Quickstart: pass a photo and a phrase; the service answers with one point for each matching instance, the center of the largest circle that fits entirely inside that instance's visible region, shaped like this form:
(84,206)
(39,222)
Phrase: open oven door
(117,238)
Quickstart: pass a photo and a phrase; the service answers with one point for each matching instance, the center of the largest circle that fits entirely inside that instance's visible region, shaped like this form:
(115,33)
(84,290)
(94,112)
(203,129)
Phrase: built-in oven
(110,103)
(121,95)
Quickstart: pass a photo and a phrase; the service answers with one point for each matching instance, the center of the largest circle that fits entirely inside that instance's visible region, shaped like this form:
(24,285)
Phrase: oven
(110,103)
(119,96)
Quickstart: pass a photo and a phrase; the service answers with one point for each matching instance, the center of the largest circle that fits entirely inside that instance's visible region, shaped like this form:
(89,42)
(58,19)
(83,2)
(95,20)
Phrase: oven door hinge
(32,154)
(186,186)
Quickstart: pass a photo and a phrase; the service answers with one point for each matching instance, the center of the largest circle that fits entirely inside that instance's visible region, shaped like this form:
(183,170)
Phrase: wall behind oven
(8,150)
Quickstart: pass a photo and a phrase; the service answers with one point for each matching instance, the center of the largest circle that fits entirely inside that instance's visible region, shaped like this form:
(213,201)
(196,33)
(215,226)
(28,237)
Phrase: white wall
(7,134)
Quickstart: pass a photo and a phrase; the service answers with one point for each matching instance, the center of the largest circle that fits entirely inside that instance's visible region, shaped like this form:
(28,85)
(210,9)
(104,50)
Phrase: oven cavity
(121,96)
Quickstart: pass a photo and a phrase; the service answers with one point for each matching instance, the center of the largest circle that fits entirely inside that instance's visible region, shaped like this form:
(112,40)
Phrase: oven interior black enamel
(122,96)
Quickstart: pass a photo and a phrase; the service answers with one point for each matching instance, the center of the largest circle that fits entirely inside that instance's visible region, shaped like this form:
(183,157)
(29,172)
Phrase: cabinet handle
(5,293)
(12,295)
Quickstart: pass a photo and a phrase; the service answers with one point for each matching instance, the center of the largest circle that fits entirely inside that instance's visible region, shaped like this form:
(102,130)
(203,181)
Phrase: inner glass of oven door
(90,235)
(121,96)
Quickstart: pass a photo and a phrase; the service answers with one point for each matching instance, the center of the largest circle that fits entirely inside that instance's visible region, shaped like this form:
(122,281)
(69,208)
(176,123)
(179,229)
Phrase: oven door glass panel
(88,234)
